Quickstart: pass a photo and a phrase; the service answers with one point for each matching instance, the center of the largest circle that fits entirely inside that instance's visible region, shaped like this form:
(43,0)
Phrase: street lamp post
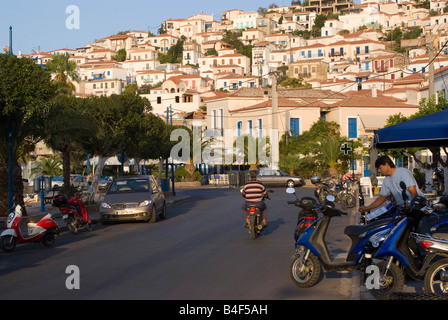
(10,145)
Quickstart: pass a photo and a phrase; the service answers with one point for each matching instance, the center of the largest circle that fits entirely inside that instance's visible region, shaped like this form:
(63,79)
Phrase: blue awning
(430,130)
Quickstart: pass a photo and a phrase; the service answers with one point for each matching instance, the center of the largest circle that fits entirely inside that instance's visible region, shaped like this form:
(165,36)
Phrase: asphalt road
(200,252)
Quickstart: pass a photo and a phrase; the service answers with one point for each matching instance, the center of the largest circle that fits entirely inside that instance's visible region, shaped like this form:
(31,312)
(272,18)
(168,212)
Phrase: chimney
(265,95)
(374,91)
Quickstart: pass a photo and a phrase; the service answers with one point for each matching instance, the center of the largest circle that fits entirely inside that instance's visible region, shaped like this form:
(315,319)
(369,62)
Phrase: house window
(249,124)
(352,128)
(239,127)
(294,126)
(260,127)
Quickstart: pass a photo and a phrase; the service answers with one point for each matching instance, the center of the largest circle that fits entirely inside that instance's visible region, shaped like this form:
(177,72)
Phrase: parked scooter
(312,252)
(308,213)
(342,191)
(40,228)
(74,212)
(399,254)
(436,245)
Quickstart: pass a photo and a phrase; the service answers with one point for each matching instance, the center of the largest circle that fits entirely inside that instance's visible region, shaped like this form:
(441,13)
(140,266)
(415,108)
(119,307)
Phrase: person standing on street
(391,184)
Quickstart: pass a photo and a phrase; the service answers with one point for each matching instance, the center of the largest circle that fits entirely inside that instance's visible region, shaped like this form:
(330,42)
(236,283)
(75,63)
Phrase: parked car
(132,198)
(81,181)
(271,177)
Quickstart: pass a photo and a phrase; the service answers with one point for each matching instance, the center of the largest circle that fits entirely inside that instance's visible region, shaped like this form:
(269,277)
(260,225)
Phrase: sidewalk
(34,209)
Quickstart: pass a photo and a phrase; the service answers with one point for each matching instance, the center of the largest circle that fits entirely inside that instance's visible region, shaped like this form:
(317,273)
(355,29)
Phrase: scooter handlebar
(331,212)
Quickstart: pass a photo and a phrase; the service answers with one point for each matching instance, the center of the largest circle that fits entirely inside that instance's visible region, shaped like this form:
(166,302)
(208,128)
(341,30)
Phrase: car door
(266,177)
(157,194)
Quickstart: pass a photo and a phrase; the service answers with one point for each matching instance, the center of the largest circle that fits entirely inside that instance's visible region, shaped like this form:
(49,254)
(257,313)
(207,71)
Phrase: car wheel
(162,214)
(152,218)
(290,184)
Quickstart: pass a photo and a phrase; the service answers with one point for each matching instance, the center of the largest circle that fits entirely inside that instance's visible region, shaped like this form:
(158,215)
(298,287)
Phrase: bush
(180,174)
(197,176)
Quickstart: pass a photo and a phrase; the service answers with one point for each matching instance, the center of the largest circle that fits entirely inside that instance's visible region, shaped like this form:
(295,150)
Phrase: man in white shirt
(391,184)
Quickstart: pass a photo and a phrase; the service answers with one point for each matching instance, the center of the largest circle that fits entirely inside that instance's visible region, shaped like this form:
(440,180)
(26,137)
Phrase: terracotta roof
(364,101)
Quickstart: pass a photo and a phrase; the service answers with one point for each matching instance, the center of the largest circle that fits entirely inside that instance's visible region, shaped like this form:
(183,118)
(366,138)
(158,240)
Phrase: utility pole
(274,130)
(10,145)
(431,69)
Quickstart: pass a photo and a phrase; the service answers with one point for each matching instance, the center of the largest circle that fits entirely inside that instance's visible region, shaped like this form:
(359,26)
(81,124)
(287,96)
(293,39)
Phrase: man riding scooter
(254,192)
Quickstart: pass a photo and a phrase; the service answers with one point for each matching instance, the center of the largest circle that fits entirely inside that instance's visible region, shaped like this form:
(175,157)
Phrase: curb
(94,215)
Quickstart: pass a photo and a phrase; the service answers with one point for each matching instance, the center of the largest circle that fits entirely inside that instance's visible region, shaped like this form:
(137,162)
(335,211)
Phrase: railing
(336,54)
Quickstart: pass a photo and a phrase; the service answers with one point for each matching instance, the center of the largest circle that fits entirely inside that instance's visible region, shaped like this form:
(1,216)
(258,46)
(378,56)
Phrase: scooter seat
(34,220)
(441,234)
(356,230)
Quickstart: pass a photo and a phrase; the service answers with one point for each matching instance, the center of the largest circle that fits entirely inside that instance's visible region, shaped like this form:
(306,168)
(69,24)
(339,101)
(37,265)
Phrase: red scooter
(29,229)
(74,212)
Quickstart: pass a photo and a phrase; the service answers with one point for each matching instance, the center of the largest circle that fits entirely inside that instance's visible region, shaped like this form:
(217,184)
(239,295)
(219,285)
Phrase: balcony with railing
(336,54)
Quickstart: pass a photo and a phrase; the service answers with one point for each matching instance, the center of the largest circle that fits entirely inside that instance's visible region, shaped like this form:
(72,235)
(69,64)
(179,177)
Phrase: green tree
(121,55)
(49,166)
(65,130)
(115,117)
(25,89)
(290,83)
(64,71)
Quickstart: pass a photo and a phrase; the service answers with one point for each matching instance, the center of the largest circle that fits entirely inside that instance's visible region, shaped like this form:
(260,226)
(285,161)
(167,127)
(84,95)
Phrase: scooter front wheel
(8,243)
(390,280)
(305,272)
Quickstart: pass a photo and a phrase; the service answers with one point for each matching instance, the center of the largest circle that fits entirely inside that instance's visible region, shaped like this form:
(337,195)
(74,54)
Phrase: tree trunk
(96,178)
(428,179)
(190,169)
(66,169)
(17,184)
(159,177)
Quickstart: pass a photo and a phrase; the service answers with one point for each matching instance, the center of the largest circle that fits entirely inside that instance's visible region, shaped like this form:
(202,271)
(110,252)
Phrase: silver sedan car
(133,198)
(279,178)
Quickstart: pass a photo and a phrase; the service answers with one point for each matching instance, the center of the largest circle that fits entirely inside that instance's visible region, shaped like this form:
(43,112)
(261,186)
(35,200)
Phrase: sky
(52,24)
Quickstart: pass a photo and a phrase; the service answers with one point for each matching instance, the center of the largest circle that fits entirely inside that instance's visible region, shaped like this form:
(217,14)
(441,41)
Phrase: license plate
(124,212)
(65,216)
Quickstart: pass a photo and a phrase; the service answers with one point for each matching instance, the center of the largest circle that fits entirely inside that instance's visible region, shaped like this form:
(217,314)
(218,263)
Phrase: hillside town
(350,68)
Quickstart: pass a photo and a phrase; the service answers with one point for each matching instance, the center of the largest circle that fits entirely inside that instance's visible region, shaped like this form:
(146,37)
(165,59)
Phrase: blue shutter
(294,126)
(352,128)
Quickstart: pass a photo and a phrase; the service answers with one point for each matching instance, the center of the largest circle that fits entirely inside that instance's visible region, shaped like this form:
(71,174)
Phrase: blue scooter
(312,253)
(399,254)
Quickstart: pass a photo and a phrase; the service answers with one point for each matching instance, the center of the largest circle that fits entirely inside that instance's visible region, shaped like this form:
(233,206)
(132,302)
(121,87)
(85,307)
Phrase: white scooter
(29,229)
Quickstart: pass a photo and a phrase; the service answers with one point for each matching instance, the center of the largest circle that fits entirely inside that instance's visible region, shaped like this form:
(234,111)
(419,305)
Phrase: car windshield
(132,185)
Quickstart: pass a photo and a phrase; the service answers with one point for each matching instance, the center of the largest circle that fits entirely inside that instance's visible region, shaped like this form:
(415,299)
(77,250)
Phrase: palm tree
(50,166)
(330,153)
(63,70)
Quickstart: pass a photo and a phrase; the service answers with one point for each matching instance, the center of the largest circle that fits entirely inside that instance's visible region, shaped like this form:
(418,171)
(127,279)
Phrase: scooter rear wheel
(72,225)
(435,278)
(305,273)
(48,239)
(8,243)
